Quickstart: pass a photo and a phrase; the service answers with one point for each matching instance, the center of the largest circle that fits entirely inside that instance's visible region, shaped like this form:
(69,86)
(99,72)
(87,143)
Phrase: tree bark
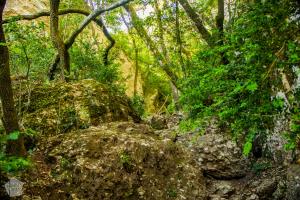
(178,39)
(112,41)
(106,33)
(10,119)
(220,27)
(220,21)
(136,73)
(92,16)
(197,21)
(160,30)
(98,21)
(57,40)
(165,52)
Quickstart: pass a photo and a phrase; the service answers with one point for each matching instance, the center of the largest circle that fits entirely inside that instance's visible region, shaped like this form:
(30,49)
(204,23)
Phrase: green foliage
(68,119)
(126,160)
(172,193)
(30,48)
(248,144)
(242,94)
(189,124)
(13,136)
(11,163)
(171,108)
(137,103)
(257,167)
(87,62)
(32,53)
(64,163)
(293,136)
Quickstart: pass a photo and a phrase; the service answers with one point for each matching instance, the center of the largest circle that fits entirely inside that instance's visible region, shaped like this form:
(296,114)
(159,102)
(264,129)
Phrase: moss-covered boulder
(62,107)
(118,160)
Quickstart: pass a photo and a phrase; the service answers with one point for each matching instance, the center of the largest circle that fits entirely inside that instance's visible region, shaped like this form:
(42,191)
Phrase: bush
(137,103)
(243,95)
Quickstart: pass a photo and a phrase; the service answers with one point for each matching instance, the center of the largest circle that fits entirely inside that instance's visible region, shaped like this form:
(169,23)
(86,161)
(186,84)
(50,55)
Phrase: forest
(150,99)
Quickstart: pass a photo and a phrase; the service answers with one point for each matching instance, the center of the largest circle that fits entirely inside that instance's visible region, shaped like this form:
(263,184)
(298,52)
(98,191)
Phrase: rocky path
(92,145)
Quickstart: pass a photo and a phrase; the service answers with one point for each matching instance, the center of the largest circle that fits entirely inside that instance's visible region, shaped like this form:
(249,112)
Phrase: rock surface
(293,182)
(62,107)
(219,157)
(111,157)
(119,160)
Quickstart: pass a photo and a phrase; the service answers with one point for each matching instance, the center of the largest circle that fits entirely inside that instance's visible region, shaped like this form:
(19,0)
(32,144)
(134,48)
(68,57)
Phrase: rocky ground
(92,145)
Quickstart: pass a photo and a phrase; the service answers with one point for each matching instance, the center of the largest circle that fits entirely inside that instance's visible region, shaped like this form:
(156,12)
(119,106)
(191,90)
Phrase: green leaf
(3,44)
(252,86)
(247,148)
(13,136)
(278,103)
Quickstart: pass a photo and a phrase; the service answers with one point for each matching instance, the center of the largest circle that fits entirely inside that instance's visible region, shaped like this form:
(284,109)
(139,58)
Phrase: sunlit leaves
(242,94)
(13,136)
(252,86)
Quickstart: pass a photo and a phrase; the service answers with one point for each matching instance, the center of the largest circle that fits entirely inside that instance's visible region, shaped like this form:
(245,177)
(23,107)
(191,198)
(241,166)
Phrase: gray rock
(293,182)
(158,122)
(219,157)
(266,188)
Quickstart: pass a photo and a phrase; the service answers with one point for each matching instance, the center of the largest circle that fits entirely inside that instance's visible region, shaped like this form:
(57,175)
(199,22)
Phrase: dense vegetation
(233,64)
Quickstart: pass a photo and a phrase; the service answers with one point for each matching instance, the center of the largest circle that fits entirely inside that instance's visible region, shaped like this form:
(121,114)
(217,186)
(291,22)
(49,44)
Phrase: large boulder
(62,107)
(119,160)
(219,157)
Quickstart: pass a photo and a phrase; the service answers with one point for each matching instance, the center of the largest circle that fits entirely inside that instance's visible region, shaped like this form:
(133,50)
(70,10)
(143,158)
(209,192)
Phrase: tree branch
(91,17)
(161,60)
(109,37)
(44,14)
(197,21)
(71,40)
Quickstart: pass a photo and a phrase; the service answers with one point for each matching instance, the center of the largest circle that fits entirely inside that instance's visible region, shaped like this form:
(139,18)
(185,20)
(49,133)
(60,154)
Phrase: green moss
(68,119)
(62,107)
(172,193)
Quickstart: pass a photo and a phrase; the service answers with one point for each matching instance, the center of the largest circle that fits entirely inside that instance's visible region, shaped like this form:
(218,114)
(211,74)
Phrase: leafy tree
(10,120)
(243,94)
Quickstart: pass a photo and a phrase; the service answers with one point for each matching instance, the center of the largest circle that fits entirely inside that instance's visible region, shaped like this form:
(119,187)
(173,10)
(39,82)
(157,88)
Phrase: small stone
(141,191)
(253,197)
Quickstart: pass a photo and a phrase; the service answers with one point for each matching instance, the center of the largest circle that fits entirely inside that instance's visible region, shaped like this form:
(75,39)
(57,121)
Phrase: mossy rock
(117,160)
(62,107)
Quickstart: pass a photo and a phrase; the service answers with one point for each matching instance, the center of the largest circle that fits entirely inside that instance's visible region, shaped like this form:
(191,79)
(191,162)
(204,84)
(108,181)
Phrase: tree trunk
(136,73)
(220,27)
(57,40)
(70,41)
(197,21)
(178,39)
(100,22)
(10,119)
(112,41)
(160,30)
(163,63)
